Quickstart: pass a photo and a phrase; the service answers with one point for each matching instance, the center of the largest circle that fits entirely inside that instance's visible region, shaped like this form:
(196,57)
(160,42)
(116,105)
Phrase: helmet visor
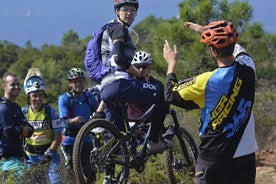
(34,82)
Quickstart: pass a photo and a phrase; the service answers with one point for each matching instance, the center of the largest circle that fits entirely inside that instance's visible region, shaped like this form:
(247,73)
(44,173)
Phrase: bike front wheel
(180,160)
(106,159)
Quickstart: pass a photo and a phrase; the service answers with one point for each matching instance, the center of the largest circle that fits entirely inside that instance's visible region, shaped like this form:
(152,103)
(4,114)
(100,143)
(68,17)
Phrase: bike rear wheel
(105,162)
(181,158)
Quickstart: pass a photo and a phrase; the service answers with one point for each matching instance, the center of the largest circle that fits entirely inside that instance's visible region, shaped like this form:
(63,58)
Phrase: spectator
(14,127)
(75,107)
(41,148)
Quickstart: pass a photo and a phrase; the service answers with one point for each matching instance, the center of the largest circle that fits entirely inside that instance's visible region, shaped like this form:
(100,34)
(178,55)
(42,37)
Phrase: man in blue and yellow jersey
(225,97)
(42,146)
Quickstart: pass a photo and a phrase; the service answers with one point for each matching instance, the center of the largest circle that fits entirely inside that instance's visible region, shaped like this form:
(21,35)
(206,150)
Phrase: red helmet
(119,3)
(219,34)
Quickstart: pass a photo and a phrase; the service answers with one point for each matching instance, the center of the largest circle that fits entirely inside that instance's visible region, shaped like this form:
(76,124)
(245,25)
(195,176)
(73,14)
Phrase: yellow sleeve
(194,89)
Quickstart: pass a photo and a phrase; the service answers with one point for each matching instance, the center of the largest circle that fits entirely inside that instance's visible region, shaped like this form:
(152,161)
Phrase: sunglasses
(141,66)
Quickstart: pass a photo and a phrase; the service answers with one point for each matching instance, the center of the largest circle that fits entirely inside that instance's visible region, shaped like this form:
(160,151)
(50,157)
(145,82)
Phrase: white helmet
(34,83)
(141,57)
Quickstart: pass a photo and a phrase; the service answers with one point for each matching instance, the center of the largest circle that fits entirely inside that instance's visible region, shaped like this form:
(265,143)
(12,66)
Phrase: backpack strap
(47,112)
(72,101)
(88,99)
(2,101)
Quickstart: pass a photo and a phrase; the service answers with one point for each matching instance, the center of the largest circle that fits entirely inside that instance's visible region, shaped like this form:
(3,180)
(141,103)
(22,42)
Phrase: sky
(45,22)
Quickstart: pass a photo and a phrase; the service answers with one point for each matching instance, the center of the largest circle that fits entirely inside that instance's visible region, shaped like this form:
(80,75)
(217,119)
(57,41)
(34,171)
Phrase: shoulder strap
(105,26)
(48,112)
(71,102)
(88,99)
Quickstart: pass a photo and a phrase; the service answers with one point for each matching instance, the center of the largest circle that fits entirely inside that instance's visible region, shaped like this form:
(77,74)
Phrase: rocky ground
(266,167)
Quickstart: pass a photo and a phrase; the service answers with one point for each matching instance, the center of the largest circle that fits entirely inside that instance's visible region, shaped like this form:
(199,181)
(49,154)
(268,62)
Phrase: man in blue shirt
(75,107)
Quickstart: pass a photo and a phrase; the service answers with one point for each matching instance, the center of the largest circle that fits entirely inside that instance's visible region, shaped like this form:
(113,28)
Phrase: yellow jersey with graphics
(44,129)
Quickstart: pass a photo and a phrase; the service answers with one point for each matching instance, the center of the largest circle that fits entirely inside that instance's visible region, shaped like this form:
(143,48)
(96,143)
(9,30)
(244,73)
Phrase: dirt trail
(266,167)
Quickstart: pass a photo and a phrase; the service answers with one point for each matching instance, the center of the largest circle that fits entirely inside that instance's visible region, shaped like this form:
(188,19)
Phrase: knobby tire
(181,159)
(98,168)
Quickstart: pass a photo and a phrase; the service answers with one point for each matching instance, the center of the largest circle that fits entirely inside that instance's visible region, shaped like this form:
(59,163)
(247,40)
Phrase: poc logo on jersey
(149,86)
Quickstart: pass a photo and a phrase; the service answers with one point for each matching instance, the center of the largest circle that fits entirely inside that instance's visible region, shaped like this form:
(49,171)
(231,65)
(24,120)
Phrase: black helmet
(119,3)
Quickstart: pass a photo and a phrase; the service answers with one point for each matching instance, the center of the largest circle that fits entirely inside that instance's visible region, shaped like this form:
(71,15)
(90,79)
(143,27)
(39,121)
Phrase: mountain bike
(114,153)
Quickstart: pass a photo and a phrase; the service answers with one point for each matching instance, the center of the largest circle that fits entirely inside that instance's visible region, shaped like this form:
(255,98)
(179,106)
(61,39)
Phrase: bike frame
(127,135)
(130,133)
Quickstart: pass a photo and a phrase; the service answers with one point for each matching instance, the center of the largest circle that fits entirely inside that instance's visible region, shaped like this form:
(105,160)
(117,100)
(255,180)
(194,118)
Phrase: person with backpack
(123,83)
(14,127)
(75,107)
(225,98)
(42,147)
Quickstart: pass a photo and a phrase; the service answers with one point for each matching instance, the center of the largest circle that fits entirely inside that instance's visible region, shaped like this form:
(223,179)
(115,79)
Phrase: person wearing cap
(225,98)
(75,107)
(41,147)
(13,127)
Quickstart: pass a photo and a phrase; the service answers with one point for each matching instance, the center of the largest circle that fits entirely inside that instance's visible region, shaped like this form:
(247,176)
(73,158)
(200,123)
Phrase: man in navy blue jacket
(14,127)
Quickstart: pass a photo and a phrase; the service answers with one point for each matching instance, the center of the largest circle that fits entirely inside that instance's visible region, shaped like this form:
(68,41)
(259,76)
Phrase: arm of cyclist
(117,34)
(175,93)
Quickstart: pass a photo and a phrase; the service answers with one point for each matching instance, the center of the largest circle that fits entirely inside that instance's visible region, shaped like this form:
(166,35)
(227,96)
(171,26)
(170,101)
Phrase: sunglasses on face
(141,66)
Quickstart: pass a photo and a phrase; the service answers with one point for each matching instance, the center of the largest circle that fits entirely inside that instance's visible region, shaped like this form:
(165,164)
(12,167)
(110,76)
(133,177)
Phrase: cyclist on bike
(75,107)
(120,87)
(142,62)
(42,147)
(225,97)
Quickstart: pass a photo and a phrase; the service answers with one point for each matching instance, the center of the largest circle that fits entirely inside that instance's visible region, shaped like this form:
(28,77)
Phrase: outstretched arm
(195,27)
